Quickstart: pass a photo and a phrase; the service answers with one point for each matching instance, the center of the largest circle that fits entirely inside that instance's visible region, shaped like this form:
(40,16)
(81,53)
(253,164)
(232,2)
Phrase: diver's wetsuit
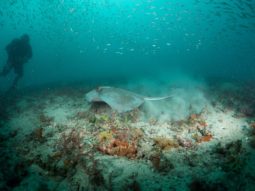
(19,52)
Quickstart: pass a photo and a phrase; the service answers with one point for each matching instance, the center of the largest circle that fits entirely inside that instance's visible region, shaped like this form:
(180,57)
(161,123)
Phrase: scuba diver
(19,52)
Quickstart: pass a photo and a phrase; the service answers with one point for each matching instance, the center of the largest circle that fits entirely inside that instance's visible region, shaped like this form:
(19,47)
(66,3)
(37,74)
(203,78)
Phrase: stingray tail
(156,98)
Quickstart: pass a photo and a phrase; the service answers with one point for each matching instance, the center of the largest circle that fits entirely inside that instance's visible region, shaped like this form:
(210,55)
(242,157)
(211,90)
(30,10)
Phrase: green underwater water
(199,52)
(86,39)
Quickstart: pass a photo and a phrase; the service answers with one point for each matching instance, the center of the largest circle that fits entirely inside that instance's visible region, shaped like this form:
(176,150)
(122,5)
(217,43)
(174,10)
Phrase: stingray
(119,99)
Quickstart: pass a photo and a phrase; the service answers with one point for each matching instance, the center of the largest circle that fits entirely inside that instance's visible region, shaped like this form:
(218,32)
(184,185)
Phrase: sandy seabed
(52,139)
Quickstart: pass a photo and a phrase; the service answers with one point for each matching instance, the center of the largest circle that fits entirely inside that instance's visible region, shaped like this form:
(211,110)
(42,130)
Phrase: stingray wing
(118,99)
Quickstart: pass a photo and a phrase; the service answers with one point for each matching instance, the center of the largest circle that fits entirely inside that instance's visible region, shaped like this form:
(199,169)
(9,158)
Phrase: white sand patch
(225,127)
(61,110)
(158,130)
(60,115)
(24,124)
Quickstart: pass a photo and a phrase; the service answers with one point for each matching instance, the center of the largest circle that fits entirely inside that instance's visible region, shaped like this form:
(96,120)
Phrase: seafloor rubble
(54,140)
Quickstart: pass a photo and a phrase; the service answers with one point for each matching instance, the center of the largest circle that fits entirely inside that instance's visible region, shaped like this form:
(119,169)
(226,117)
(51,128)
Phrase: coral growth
(122,142)
(155,160)
(233,156)
(153,121)
(200,127)
(81,115)
(105,136)
(133,115)
(160,163)
(45,120)
(205,138)
(252,125)
(165,143)
(197,120)
(95,175)
(120,148)
(184,142)
(37,134)
(71,147)
(193,117)
(105,121)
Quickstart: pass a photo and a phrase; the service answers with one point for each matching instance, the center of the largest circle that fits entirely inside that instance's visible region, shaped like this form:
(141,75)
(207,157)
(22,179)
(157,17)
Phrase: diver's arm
(12,45)
(28,55)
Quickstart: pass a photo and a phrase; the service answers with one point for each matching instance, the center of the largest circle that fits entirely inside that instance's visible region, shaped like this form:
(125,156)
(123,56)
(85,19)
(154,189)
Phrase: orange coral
(197,119)
(205,138)
(193,116)
(202,123)
(119,148)
(123,142)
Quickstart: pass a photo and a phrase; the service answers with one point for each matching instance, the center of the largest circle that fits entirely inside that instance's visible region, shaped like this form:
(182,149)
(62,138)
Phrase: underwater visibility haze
(108,38)
(127,95)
